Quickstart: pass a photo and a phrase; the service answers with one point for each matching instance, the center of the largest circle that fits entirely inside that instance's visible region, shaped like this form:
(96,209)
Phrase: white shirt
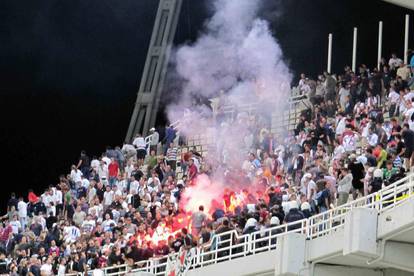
(97,272)
(394,97)
(22,209)
(129,169)
(91,194)
(338,151)
(133,187)
(88,225)
(42,222)
(409,96)
(349,142)
(122,185)
(371,101)
(107,160)
(71,233)
(95,164)
(155,138)
(58,197)
(340,126)
(47,200)
(97,208)
(106,224)
(395,62)
(308,189)
(139,143)
(85,183)
(343,93)
(372,139)
(15,224)
(46,269)
(61,270)
(118,193)
(103,172)
(76,175)
(108,197)
(408,113)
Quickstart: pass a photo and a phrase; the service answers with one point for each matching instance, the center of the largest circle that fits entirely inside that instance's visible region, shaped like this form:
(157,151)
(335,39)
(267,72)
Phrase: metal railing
(231,245)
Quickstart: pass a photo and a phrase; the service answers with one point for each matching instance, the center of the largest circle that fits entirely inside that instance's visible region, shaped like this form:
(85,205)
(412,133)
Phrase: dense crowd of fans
(102,213)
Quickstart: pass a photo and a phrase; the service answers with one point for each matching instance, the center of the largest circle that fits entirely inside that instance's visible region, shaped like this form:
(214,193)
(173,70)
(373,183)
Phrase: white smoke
(238,55)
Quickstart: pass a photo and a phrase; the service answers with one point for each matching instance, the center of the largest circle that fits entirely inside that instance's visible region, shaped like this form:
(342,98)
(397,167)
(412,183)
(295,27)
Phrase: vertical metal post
(354,49)
(328,69)
(379,45)
(155,68)
(407,29)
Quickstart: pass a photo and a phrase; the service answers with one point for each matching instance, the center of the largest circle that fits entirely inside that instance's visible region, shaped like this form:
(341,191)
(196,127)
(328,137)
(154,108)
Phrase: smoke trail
(237,60)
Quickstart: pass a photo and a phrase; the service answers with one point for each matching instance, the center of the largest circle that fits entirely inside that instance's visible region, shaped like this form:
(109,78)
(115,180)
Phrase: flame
(170,226)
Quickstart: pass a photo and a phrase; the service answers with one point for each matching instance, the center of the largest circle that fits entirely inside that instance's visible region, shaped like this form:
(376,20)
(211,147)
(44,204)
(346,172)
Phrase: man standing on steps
(169,138)
(113,170)
(155,138)
(22,209)
(84,164)
(408,136)
(139,143)
(358,173)
(198,219)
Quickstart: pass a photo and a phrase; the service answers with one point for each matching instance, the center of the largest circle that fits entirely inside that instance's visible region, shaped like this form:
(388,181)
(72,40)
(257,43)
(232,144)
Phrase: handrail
(230,245)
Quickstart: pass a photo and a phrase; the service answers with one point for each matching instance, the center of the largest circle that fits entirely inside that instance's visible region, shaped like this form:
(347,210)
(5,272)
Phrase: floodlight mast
(152,82)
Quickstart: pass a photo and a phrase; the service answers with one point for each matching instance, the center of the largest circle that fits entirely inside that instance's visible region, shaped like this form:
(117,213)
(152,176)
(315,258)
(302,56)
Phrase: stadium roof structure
(409,4)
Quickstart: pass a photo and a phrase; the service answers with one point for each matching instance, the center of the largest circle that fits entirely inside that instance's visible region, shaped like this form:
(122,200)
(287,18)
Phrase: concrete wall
(259,264)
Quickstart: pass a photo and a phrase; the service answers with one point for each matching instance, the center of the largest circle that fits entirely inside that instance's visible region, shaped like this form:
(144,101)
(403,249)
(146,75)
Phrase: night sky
(70,70)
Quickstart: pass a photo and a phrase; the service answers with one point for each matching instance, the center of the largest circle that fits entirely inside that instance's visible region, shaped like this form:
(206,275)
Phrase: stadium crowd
(357,138)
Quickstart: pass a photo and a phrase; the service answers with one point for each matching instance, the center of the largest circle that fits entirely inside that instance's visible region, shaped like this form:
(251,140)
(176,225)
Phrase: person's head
(406,126)
(389,164)
(398,138)
(201,208)
(252,156)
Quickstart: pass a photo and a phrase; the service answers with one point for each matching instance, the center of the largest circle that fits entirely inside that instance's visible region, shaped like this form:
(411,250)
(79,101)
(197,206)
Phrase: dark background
(70,70)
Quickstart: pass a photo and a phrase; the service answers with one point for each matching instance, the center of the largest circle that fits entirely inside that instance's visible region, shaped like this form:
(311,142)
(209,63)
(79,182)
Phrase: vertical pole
(354,49)
(328,69)
(407,29)
(379,45)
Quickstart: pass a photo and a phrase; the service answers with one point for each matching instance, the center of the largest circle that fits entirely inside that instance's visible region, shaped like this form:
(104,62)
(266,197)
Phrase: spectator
(358,172)
(344,186)
(198,220)
(139,143)
(155,137)
(294,215)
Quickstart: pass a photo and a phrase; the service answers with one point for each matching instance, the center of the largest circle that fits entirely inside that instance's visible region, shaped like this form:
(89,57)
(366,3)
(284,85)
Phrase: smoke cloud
(238,62)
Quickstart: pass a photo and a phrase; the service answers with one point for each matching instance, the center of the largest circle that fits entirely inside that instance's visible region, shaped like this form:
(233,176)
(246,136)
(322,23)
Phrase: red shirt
(113,169)
(5,234)
(192,171)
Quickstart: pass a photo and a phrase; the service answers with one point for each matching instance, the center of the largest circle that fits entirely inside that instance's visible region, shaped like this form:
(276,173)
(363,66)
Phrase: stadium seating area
(346,141)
